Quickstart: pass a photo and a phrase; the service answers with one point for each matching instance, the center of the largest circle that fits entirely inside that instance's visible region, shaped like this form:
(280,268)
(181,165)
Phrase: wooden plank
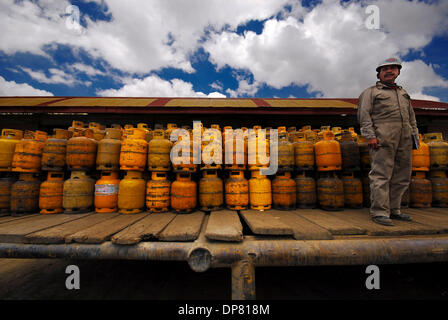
(144,229)
(103,231)
(16,231)
(441,212)
(13,218)
(58,233)
(184,227)
(362,218)
(303,229)
(429,218)
(328,221)
(224,225)
(262,222)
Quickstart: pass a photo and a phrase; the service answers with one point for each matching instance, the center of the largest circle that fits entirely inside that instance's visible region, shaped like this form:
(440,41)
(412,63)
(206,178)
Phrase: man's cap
(389,62)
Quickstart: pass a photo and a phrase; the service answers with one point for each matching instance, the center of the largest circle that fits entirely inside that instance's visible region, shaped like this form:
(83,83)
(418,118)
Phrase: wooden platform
(223,225)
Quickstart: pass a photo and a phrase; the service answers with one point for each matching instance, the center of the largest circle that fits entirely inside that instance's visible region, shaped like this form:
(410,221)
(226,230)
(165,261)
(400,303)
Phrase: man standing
(388,123)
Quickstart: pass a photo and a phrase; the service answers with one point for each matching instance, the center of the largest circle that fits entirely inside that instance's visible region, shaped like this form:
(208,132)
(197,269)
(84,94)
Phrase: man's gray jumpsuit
(387,115)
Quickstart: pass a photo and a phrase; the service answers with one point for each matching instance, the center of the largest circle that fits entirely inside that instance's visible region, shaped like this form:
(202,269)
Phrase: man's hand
(373,143)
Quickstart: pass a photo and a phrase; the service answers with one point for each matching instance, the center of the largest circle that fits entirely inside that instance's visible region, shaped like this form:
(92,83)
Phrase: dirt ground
(44,279)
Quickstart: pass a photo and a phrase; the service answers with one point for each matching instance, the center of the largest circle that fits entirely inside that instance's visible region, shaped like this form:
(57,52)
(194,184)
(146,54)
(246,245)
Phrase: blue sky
(220,48)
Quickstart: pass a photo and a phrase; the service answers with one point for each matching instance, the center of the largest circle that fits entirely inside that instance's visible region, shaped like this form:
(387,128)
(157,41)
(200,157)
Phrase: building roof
(198,105)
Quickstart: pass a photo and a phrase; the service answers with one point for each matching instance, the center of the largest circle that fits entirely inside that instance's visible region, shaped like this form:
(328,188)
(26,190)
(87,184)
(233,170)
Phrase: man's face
(389,74)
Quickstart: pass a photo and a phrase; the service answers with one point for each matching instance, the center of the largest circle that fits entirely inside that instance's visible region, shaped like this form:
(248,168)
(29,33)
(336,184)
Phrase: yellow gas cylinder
(303,153)
(438,150)
(310,136)
(364,153)
(8,141)
(28,154)
(131,193)
(211,150)
(328,153)
(420,190)
(108,155)
(352,190)
(285,152)
(125,131)
(158,192)
(330,191)
(98,132)
(170,127)
(439,185)
(235,149)
(211,191)
(25,194)
(351,159)
(134,150)
(260,194)
(51,193)
(236,191)
(54,152)
(106,192)
(305,190)
(81,151)
(159,150)
(294,136)
(145,128)
(6,183)
(182,155)
(284,195)
(421,157)
(78,193)
(183,193)
(258,151)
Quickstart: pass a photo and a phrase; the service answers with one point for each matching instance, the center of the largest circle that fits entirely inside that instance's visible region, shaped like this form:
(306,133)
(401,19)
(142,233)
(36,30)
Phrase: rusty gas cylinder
(8,141)
(211,191)
(106,192)
(28,153)
(25,194)
(420,190)
(439,186)
(159,151)
(158,192)
(183,193)
(284,195)
(108,155)
(6,183)
(55,151)
(51,193)
(303,153)
(349,152)
(182,155)
(234,149)
(330,191)
(364,153)
(352,190)
(131,193)
(236,191)
(134,150)
(78,193)
(81,151)
(211,149)
(260,193)
(306,196)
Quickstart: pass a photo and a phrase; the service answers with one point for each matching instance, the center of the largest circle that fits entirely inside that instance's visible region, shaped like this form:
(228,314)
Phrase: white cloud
(154,86)
(329,49)
(86,69)
(56,77)
(11,88)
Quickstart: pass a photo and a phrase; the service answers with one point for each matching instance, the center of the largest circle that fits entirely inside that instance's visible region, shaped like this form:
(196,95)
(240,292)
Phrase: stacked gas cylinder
(134,169)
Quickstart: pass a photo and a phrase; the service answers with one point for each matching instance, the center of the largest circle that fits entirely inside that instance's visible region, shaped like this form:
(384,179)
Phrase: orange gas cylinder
(284,191)
(235,149)
(328,153)
(5,193)
(183,193)
(98,132)
(8,141)
(108,155)
(420,157)
(420,190)
(306,190)
(237,191)
(211,191)
(106,192)
(330,191)
(258,149)
(438,150)
(81,151)
(51,193)
(25,194)
(131,193)
(439,185)
(260,194)
(352,190)
(54,152)
(78,193)
(159,150)
(28,153)
(182,156)
(285,152)
(134,150)
(158,192)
